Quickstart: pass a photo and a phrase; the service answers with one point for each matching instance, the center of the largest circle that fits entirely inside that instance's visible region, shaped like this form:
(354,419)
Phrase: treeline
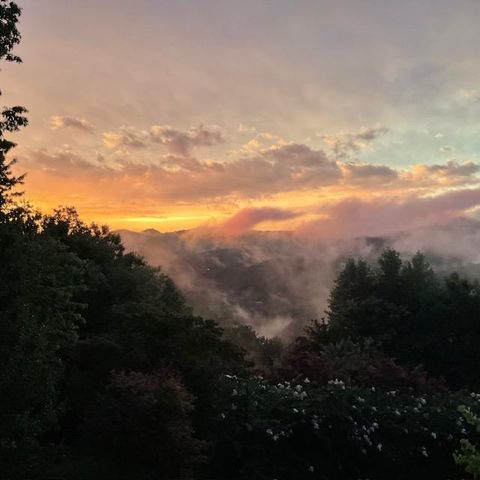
(106,373)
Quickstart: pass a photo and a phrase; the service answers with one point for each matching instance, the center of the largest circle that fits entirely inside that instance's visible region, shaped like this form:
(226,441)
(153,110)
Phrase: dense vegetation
(106,373)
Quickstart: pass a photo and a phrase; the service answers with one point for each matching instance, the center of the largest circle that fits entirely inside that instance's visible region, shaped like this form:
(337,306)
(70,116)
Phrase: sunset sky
(333,117)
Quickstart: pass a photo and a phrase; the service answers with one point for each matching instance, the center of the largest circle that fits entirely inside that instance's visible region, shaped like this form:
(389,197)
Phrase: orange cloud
(130,183)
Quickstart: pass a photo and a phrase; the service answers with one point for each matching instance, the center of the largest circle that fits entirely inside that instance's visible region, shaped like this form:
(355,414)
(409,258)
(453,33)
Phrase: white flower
(269,431)
(434,435)
(311,468)
(379,447)
(336,381)
(222,416)
(234,392)
(424,452)
(307,380)
(295,410)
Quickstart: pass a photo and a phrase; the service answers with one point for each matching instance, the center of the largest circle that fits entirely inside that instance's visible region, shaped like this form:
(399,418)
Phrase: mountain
(279,281)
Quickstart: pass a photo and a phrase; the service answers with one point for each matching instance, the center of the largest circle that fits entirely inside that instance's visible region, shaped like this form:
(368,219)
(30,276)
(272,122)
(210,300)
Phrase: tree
(11,118)
(410,313)
(142,427)
(39,316)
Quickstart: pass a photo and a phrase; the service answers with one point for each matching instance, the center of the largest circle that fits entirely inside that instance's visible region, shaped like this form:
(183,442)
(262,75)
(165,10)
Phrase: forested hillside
(106,372)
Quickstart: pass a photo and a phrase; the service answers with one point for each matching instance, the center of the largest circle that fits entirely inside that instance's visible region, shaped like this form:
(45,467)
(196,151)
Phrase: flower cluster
(302,418)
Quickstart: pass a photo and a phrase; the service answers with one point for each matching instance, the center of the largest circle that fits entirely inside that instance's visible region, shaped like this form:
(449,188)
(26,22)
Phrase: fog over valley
(277,282)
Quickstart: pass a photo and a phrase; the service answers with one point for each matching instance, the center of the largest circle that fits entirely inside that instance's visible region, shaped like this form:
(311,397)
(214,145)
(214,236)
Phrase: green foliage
(265,354)
(303,430)
(411,313)
(11,119)
(9,34)
(136,321)
(469,455)
(141,425)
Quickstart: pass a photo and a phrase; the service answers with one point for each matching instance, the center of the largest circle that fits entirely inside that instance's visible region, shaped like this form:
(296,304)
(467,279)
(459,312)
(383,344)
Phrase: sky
(326,117)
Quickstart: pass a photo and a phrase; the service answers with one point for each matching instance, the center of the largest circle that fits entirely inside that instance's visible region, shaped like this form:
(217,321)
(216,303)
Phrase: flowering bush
(469,455)
(304,430)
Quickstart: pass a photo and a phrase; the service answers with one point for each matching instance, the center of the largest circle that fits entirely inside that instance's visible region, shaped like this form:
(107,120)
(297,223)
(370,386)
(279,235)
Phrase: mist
(277,282)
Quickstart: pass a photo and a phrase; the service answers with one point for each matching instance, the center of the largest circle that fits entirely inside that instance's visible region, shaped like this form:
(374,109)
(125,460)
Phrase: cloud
(61,162)
(177,142)
(471,94)
(346,144)
(277,169)
(127,137)
(451,173)
(364,172)
(65,121)
(446,149)
(181,142)
(248,218)
(355,217)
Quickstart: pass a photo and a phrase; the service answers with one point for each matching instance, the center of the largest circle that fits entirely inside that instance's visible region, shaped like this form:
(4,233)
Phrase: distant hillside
(278,281)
